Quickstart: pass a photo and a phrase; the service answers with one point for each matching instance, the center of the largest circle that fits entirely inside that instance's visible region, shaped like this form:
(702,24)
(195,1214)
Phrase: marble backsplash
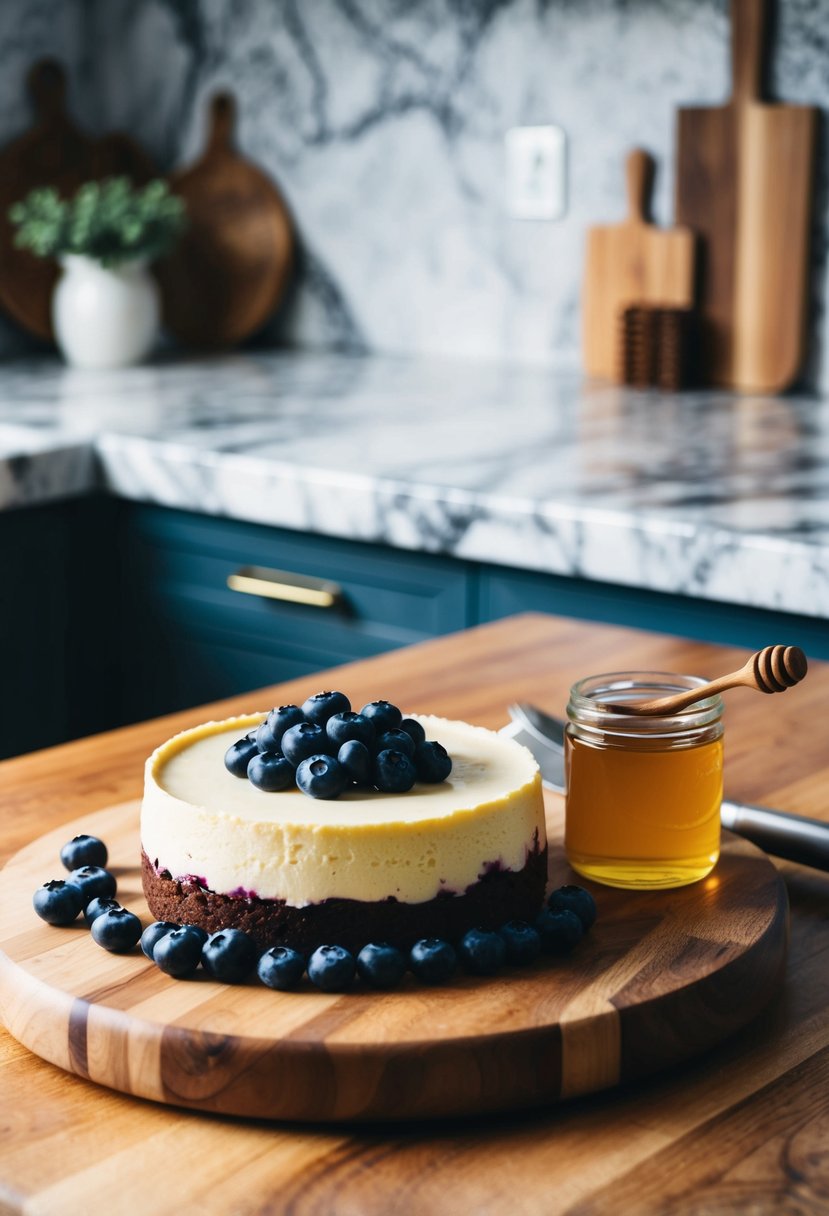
(383,122)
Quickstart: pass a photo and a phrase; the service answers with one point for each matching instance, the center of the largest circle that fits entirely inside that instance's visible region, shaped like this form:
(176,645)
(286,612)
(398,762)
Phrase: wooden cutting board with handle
(229,272)
(632,263)
(661,975)
(744,183)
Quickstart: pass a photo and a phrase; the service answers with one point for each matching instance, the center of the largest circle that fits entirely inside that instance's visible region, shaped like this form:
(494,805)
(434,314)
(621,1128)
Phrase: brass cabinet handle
(284,585)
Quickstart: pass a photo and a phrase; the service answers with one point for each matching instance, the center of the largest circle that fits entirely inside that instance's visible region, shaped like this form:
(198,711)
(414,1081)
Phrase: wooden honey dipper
(772,669)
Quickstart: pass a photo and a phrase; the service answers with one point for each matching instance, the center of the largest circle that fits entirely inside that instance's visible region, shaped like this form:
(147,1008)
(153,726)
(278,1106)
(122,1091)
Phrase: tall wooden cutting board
(744,183)
(229,272)
(634,262)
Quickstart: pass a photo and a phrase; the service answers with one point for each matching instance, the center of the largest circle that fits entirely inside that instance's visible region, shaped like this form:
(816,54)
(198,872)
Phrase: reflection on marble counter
(702,494)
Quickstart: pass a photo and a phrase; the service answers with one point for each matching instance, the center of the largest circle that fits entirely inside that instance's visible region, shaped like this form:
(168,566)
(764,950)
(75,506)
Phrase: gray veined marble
(705,495)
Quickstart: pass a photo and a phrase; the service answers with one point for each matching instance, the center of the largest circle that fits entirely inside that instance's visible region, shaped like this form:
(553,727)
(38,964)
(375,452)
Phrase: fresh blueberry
(322,777)
(269,735)
(153,933)
(559,931)
(482,952)
(270,771)
(383,715)
(522,940)
(58,902)
(97,906)
(433,762)
(93,880)
(356,760)
(574,899)
(414,730)
(178,953)
(331,968)
(117,930)
(238,756)
(281,968)
(300,742)
(381,965)
(433,960)
(202,933)
(229,955)
(342,728)
(394,772)
(83,851)
(323,705)
(398,741)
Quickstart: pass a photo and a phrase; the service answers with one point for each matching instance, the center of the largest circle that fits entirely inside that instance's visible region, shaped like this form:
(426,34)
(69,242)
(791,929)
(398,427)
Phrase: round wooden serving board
(661,976)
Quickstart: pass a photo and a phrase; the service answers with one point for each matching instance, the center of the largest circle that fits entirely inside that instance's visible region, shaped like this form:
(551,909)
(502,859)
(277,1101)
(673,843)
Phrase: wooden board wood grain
(744,183)
(631,263)
(660,977)
(230,270)
(740,1128)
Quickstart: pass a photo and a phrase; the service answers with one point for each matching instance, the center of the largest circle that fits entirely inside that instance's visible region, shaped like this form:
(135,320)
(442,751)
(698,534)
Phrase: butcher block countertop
(742,1129)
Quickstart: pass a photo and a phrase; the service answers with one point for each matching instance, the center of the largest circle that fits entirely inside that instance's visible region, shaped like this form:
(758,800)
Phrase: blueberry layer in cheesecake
(367,866)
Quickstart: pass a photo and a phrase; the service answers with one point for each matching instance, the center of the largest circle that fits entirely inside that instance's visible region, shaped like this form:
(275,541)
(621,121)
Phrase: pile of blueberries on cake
(231,956)
(325,748)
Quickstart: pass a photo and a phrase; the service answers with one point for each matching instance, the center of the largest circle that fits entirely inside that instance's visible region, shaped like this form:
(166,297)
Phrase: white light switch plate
(536,173)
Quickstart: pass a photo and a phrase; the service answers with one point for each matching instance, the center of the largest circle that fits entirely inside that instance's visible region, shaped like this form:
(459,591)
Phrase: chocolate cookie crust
(497,897)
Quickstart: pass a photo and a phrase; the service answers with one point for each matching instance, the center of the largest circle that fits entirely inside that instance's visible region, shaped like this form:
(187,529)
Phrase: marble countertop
(702,494)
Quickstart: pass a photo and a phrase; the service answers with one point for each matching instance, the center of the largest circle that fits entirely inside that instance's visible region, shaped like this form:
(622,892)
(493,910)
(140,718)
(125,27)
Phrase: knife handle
(792,837)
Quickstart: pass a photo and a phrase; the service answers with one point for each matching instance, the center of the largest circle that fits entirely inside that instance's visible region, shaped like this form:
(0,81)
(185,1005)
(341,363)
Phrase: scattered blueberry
(269,735)
(482,952)
(270,771)
(117,930)
(432,960)
(342,728)
(229,955)
(522,940)
(560,931)
(238,756)
(97,906)
(331,968)
(398,741)
(281,968)
(574,899)
(178,953)
(93,880)
(83,851)
(394,772)
(153,933)
(433,762)
(58,902)
(306,739)
(357,761)
(322,777)
(323,705)
(381,965)
(202,933)
(383,715)
(414,730)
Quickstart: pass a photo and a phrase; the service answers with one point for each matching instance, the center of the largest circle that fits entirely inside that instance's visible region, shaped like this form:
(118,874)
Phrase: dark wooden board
(660,977)
(230,270)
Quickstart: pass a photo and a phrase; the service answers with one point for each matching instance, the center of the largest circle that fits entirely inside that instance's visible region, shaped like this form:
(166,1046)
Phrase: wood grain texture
(662,976)
(744,183)
(231,268)
(739,1129)
(627,264)
(53,153)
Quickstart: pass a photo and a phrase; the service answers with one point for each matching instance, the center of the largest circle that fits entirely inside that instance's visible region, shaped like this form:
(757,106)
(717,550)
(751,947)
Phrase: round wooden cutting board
(659,977)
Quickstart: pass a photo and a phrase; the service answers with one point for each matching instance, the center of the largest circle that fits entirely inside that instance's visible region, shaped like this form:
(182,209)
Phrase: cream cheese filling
(198,820)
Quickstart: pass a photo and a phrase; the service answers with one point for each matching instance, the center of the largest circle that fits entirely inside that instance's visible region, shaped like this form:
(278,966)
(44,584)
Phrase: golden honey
(643,793)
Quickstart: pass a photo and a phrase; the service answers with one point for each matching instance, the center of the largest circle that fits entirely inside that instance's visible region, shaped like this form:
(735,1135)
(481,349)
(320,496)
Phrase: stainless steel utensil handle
(793,837)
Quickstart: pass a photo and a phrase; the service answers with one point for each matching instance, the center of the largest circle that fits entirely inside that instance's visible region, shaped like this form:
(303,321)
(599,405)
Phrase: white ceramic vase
(105,316)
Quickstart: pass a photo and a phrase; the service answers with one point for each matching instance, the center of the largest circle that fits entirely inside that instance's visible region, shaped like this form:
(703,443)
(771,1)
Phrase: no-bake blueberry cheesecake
(314,824)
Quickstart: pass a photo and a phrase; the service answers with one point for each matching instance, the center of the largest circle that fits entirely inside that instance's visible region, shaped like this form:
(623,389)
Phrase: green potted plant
(105,308)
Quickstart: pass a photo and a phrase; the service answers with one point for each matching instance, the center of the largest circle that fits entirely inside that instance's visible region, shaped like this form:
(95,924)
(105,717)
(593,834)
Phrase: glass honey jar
(643,792)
